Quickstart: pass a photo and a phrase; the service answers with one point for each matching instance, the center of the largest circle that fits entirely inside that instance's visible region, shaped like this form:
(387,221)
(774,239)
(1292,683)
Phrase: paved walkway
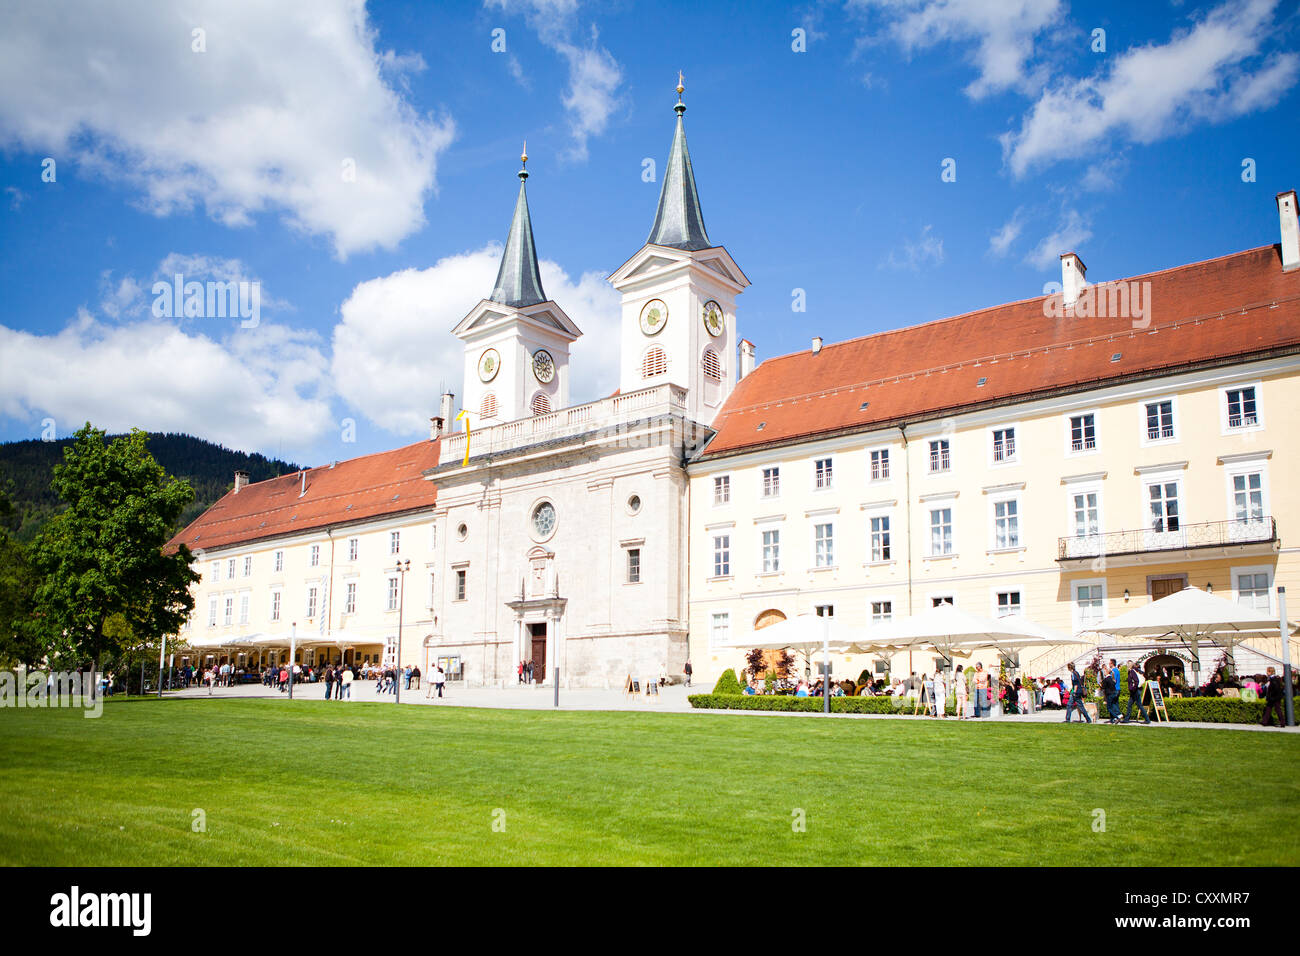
(672,699)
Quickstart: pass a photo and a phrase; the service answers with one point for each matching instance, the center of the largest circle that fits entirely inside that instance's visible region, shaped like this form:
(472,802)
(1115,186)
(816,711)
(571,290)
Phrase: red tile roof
(1228,308)
(386,483)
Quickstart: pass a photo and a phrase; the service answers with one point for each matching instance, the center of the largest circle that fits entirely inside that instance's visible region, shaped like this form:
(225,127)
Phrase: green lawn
(361,783)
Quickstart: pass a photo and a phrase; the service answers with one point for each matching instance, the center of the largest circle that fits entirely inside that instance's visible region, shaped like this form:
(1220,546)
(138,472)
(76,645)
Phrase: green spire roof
(679,222)
(519,283)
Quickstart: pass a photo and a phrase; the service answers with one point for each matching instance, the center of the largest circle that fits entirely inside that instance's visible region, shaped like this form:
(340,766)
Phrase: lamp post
(293,652)
(401,569)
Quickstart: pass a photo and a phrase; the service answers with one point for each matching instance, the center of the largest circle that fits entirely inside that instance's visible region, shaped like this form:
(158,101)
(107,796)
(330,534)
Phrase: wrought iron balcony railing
(1207,534)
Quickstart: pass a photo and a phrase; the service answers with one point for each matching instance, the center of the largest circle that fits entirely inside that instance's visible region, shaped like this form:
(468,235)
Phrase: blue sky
(819,169)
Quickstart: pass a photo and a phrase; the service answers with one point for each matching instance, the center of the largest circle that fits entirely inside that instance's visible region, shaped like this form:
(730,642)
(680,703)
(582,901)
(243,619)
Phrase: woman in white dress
(940,694)
(959,682)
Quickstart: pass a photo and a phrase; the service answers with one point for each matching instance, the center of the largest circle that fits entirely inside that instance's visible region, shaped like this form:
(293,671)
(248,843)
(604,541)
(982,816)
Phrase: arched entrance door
(771,658)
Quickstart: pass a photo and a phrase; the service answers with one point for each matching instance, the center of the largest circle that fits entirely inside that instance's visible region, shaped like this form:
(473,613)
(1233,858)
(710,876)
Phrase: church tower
(679,296)
(516,341)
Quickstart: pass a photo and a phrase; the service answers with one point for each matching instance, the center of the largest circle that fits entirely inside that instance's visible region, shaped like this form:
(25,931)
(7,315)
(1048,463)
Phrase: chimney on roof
(746,357)
(1072,278)
(241,480)
(436,425)
(1286,213)
(817,344)
(445,409)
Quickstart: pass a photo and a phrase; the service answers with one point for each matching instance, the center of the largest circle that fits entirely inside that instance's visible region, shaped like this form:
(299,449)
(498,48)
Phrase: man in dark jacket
(1274,691)
(1135,696)
(1110,687)
(1076,695)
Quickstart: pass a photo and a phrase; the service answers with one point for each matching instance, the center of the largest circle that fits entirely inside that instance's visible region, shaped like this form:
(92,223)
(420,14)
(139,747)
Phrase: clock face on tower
(713,320)
(654,316)
(489,363)
(543,366)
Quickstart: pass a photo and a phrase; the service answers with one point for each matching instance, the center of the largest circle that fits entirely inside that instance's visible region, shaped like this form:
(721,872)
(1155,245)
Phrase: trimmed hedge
(1210,710)
(839,705)
(728,683)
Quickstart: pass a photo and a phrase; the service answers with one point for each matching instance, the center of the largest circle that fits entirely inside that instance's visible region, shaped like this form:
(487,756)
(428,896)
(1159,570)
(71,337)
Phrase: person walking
(940,695)
(688,671)
(329,680)
(415,676)
(1135,683)
(981,687)
(1110,689)
(1274,692)
(348,677)
(439,678)
(1077,691)
(963,692)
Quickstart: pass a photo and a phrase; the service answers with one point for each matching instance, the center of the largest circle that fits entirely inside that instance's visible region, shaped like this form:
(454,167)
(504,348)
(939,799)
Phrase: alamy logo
(1105,300)
(208,300)
(51,689)
(74,909)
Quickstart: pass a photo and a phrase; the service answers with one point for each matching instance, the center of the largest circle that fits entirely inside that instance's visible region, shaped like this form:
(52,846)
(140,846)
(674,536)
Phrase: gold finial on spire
(523,157)
(680,108)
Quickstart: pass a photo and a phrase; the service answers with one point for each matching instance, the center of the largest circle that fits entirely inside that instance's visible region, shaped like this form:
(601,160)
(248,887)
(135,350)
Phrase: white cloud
(926,249)
(263,121)
(394,351)
(1213,72)
(594,74)
(1003,33)
(255,389)
(1069,236)
(1000,242)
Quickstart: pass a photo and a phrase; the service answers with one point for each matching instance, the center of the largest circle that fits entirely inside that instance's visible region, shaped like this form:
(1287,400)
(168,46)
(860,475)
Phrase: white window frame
(228,616)
(881,599)
(230,569)
(824,473)
(1076,618)
(1069,433)
(276,601)
(350,597)
(829,540)
(313,556)
(997,592)
(722,486)
(279,562)
(1266,569)
(991,444)
(460,584)
(763,482)
(1173,411)
(872,515)
(627,564)
(248,565)
(310,607)
(1224,426)
(884,458)
(215,574)
(719,628)
(1247,465)
(721,555)
(930,455)
(945,504)
(763,545)
(354,548)
(245,607)
(395,542)
(391,592)
(1150,479)
(213,609)
(1003,498)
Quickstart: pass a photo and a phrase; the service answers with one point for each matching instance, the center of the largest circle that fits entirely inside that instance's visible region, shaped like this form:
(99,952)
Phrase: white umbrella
(806,633)
(1191,616)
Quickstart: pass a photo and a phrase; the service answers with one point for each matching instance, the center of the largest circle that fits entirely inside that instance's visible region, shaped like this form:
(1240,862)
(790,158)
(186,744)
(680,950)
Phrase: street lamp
(401,569)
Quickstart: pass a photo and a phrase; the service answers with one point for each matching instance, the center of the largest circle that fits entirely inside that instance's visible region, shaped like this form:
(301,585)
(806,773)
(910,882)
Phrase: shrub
(728,683)
(839,705)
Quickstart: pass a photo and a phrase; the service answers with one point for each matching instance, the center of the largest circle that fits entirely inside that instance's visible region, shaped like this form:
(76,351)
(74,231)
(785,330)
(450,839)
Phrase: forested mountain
(27,466)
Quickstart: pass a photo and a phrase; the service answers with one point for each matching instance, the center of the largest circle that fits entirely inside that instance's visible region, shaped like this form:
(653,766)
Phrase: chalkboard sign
(631,686)
(1152,690)
(652,688)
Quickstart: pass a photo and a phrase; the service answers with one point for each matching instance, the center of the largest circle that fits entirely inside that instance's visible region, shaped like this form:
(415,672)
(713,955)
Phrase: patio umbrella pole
(1286,656)
(293,647)
(826,665)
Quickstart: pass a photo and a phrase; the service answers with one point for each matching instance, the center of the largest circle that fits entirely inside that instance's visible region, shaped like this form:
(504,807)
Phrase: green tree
(19,639)
(105,581)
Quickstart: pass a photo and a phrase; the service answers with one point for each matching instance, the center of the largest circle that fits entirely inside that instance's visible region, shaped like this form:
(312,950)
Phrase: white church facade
(1034,458)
